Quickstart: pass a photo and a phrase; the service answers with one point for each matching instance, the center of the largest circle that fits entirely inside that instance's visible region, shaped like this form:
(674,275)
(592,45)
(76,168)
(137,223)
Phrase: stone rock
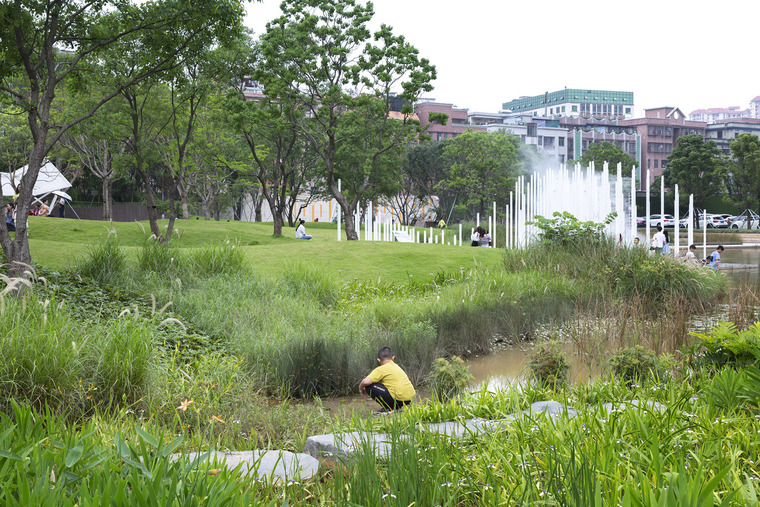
(270,465)
(342,446)
(468,427)
(646,405)
(553,408)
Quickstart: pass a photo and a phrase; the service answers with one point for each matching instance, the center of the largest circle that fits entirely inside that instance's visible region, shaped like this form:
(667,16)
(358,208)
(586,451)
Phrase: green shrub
(725,344)
(449,379)
(636,364)
(565,230)
(106,263)
(548,368)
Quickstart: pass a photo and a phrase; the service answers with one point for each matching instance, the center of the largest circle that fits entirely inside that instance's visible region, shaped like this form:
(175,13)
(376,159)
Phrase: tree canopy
(696,166)
(605,151)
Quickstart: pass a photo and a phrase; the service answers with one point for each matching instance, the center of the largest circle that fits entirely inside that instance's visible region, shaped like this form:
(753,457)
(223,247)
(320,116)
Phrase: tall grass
(106,263)
(49,358)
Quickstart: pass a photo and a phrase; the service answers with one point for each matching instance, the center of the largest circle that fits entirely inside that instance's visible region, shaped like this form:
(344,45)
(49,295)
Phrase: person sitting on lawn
(301,230)
(387,384)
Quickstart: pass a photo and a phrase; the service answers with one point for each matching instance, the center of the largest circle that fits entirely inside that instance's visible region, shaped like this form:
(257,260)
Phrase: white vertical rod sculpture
(662,200)
(460,234)
(431,235)
(493,232)
(619,204)
(442,238)
(704,234)
(676,227)
(633,204)
(477,220)
(690,225)
(338,210)
(506,226)
(646,239)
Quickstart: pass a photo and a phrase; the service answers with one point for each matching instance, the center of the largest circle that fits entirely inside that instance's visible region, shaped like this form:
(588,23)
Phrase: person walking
(666,245)
(61,208)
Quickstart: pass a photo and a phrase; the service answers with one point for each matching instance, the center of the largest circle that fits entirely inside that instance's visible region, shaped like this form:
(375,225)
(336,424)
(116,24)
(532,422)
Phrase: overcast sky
(687,54)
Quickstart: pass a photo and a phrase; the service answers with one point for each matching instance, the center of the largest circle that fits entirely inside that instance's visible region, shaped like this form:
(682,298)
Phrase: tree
(484,167)
(320,57)
(425,167)
(47,43)
(744,180)
(696,166)
(605,151)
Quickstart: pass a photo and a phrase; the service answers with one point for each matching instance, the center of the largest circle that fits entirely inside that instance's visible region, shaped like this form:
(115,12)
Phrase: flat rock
(272,465)
(553,408)
(344,445)
(646,405)
(459,429)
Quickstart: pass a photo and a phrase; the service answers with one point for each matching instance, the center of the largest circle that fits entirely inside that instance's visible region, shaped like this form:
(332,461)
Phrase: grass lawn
(60,243)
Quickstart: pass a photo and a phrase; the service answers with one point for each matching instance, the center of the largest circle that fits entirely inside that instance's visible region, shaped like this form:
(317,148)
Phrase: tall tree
(47,43)
(605,151)
(484,167)
(696,166)
(744,178)
(319,56)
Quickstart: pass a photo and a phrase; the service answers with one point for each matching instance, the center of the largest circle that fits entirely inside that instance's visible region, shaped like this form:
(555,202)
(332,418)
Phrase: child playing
(387,384)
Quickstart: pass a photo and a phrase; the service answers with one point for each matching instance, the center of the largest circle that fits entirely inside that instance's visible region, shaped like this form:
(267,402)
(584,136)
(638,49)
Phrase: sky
(686,54)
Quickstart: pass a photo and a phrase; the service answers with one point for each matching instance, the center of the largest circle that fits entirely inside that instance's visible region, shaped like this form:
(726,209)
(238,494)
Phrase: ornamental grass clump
(106,263)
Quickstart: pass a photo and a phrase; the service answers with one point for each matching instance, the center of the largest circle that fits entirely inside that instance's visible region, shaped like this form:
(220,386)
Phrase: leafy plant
(549,368)
(725,344)
(449,379)
(636,364)
(565,229)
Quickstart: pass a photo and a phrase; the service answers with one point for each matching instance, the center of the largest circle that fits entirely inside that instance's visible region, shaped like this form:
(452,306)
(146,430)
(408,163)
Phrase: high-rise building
(575,102)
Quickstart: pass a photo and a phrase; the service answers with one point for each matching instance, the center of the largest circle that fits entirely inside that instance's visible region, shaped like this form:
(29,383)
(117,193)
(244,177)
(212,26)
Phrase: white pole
(633,204)
(690,225)
(477,221)
(339,210)
(648,210)
(493,232)
(662,200)
(704,234)
(460,234)
(678,221)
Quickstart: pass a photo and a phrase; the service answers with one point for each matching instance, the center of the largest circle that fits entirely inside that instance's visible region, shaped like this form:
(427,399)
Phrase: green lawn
(59,243)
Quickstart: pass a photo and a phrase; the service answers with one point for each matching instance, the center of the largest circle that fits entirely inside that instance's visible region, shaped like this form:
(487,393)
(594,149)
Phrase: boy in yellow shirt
(387,384)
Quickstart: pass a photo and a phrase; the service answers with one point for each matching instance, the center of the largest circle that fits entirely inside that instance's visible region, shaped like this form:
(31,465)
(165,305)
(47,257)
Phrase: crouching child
(387,384)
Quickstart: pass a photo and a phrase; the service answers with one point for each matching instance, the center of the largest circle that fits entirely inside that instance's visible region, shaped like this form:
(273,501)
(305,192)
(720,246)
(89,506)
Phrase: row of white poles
(587,195)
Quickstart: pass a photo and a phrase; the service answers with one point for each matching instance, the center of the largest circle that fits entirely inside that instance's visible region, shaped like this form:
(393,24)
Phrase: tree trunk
(107,199)
(207,210)
(183,200)
(278,222)
(257,210)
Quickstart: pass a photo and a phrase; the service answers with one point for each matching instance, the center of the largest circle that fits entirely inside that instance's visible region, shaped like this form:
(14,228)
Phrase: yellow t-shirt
(393,377)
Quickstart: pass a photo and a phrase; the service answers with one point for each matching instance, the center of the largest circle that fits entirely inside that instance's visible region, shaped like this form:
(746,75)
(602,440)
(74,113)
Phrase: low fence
(121,212)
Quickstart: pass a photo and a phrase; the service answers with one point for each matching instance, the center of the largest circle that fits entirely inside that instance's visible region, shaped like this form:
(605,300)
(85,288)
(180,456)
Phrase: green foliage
(548,368)
(696,166)
(216,259)
(600,152)
(449,379)
(744,184)
(484,167)
(637,365)
(159,257)
(725,344)
(564,230)
(106,263)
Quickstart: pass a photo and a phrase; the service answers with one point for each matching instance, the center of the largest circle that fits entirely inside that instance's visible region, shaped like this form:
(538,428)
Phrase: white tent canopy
(49,180)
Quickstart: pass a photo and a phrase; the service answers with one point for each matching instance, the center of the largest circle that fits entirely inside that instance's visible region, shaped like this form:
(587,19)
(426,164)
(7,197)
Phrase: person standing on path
(62,208)
(658,241)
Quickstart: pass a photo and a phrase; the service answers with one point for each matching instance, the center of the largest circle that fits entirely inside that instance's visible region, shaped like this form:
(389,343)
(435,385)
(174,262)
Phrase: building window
(540,140)
(522,136)
(532,130)
(439,136)
(662,166)
(649,163)
(561,141)
(575,108)
(655,163)
(627,110)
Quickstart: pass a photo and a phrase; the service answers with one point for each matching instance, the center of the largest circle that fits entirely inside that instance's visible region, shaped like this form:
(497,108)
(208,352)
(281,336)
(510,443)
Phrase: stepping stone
(271,465)
(553,408)
(341,446)
(468,427)
(646,405)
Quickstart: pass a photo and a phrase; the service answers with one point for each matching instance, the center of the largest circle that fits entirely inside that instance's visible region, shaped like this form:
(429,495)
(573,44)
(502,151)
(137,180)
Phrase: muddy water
(502,368)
